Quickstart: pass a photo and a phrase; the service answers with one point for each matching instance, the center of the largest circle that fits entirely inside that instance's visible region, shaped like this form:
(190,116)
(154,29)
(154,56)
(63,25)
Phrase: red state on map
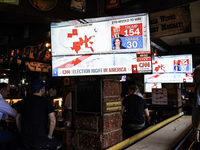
(74,32)
(161,67)
(77,44)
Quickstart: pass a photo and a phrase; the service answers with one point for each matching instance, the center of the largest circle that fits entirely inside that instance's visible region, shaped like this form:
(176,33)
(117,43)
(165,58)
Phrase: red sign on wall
(110,4)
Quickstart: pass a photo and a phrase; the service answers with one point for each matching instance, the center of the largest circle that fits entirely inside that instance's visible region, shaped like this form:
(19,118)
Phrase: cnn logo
(65,72)
(144,64)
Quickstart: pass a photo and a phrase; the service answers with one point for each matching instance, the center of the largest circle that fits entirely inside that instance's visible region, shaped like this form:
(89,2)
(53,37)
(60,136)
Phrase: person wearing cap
(8,140)
(32,119)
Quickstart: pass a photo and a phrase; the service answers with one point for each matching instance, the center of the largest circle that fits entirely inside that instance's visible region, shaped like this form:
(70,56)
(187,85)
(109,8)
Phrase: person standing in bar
(133,108)
(32,119)
(8,140)
(196,107)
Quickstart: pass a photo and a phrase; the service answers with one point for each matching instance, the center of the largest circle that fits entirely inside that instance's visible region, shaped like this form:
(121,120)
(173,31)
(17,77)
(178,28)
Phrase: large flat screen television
(101,46)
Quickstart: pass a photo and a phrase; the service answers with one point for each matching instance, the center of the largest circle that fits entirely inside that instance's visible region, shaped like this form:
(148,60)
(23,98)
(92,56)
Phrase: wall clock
(43,5)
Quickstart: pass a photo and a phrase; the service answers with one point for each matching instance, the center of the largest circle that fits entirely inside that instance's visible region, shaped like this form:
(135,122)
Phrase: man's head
(196,75)
(133,89)
(116,30)
(38,87)
(4,90)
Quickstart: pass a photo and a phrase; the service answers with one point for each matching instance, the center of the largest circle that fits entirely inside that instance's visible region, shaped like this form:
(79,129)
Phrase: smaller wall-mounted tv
(172,64)
(123,78)
(149,86)
(168,78)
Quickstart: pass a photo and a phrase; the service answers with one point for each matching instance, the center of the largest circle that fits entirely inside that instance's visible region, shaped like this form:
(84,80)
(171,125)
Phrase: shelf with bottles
(57,103)
(12,101)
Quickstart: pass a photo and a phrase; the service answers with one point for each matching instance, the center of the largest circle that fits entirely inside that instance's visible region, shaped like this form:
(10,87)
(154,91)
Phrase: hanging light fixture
(47,45)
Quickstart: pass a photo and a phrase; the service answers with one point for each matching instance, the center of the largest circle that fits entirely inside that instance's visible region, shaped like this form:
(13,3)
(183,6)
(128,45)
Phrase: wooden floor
(165,138)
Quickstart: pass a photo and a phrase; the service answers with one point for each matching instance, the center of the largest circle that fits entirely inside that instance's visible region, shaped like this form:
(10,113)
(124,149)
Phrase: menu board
(159,96)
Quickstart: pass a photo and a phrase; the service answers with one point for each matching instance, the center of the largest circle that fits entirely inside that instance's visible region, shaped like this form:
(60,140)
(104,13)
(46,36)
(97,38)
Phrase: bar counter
(167,137)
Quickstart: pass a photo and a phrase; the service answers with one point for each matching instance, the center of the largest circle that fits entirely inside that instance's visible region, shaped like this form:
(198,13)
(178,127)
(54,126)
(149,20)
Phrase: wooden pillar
(101,131)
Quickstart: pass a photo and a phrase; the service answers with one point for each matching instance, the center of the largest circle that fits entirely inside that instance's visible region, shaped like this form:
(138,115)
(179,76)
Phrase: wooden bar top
(167,137)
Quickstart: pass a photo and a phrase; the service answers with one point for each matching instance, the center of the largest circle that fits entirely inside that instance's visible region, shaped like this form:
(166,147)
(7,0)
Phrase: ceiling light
(47,44)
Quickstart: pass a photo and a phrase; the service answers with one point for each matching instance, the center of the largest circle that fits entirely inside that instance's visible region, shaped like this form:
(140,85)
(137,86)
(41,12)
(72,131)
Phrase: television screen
(181,77)
(101,46)
(4,80)
(123,78)
(149,86)
(173,63)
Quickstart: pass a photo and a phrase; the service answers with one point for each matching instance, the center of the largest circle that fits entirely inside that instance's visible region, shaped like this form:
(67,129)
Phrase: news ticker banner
(168,78)
(107,64)
(144,62)
(173,63)
(99,37)
(171,21)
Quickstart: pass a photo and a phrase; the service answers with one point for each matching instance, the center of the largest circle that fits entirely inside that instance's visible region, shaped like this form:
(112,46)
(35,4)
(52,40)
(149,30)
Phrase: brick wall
(96,141)
(101,124)
(100,132)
